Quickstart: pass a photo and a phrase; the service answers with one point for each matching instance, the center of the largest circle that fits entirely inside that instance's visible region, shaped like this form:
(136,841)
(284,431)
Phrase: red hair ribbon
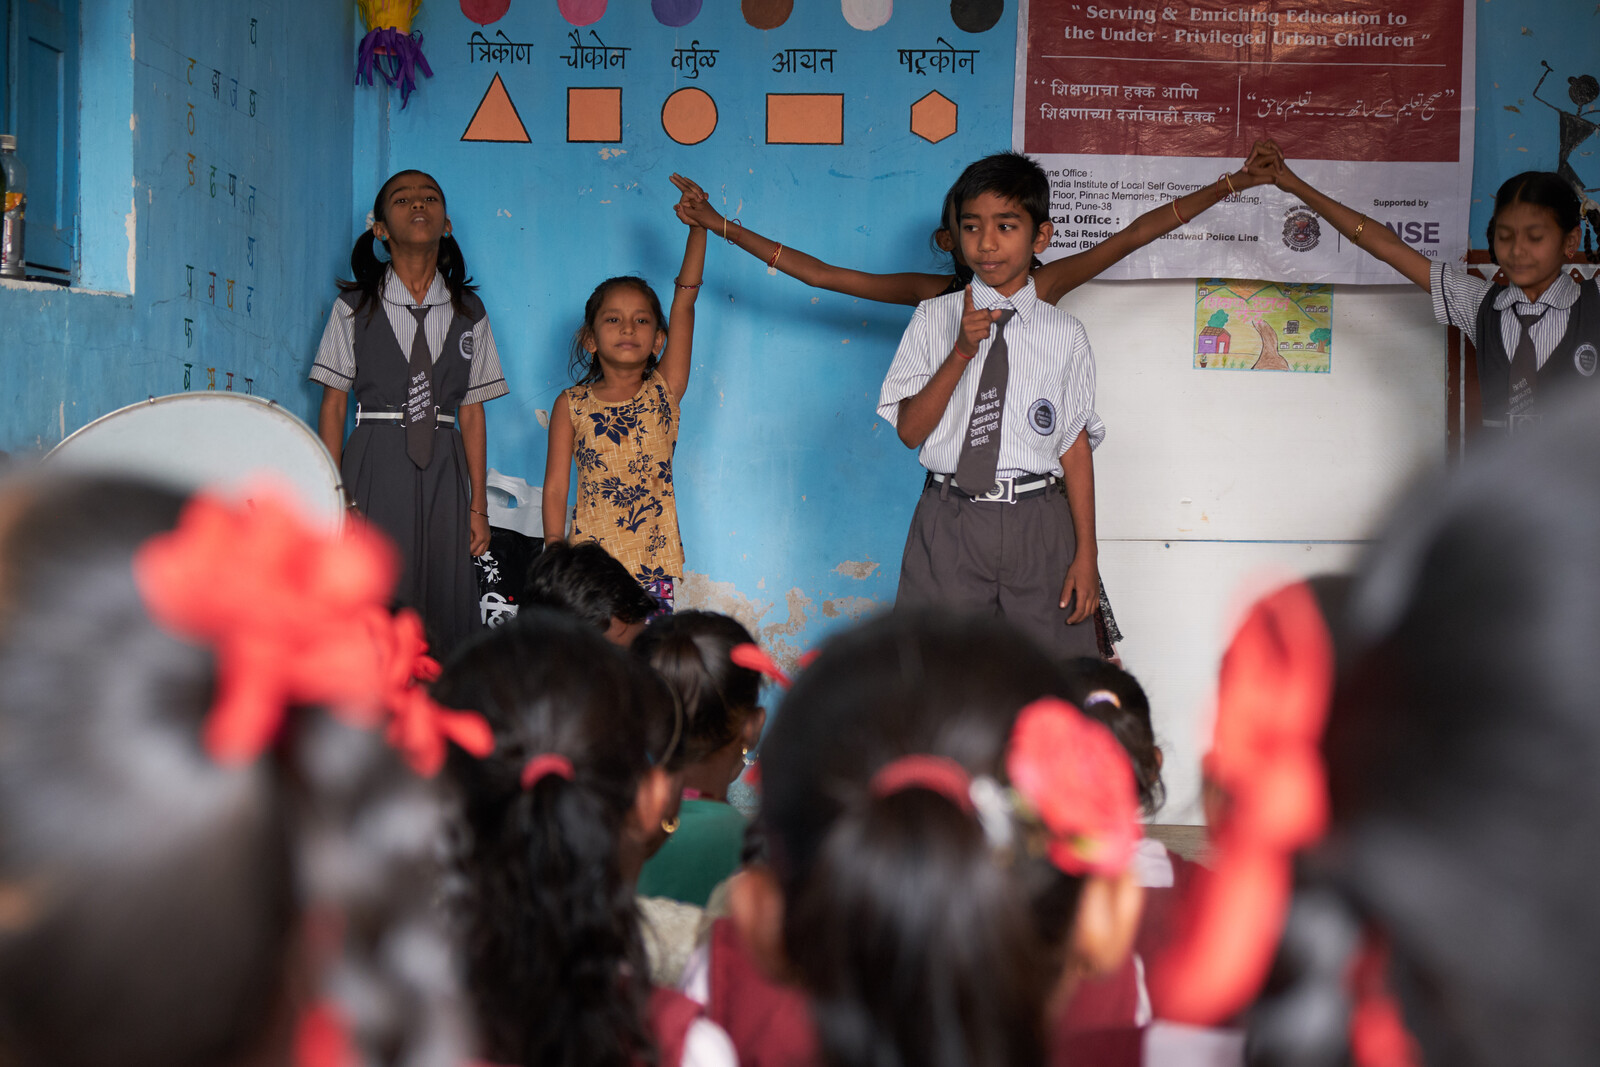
(937,773)
(418,727)
(1272,703)
(294,616)
(321,1038)
(1378,1034)
(754,658)
(1077,778)
(542,766)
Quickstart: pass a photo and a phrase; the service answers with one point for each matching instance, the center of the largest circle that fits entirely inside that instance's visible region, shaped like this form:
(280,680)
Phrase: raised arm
(1372,237)
(680,329)
(1059,277)
(910,288)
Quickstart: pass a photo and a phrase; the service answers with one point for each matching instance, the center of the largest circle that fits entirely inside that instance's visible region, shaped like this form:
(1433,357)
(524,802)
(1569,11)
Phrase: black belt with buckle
(1005,491)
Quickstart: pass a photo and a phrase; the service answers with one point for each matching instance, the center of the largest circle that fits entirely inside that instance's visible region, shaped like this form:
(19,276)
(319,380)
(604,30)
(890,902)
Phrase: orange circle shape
(689,116)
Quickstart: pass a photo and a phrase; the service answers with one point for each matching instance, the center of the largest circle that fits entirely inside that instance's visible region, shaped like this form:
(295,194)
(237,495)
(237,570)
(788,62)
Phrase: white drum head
(226,441)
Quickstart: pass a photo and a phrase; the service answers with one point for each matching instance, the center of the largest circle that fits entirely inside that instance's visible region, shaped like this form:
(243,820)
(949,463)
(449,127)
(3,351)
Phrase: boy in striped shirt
(996,389)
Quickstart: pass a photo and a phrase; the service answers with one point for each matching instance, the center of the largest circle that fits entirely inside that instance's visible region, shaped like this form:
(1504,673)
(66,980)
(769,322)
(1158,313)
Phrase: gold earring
(670,826)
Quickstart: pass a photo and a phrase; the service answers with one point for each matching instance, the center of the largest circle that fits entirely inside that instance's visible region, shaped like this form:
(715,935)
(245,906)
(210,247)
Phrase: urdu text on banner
(1129,105)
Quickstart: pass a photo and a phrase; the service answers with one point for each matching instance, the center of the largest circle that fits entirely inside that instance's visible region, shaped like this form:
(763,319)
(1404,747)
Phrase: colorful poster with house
(1243,325)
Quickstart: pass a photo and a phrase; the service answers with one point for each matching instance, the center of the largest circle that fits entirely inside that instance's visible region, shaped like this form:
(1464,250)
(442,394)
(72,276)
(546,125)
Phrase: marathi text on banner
(1130,105)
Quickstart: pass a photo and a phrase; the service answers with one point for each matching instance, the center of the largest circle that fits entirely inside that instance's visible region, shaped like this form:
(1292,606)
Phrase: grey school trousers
(998,559)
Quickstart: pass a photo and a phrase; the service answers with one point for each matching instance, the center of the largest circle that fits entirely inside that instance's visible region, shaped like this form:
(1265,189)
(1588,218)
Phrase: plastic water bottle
(14,190)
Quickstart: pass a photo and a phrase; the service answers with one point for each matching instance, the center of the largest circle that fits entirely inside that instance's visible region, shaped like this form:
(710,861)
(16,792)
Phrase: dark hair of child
(367,269)
(1463,762)
(1010,176)
(555,962)
(690,651)
(587,581)
(1107,693)
(584,366)
(158,907)
(916,945)
(1538,188)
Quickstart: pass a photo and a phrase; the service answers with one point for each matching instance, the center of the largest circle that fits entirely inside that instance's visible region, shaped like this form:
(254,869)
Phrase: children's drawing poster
(1246,325)
(1131,105)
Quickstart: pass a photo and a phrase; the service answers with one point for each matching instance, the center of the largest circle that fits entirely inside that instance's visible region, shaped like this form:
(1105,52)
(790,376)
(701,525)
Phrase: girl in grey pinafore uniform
(428,510)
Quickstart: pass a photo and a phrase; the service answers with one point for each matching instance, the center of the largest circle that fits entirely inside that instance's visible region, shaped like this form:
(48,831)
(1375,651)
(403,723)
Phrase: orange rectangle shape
(805,118)
(594,115)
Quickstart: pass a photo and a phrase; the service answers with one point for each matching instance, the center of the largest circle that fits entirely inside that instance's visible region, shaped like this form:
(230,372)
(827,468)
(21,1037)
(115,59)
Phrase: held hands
(1081,590)
(694,207)
(975,326)
(1262,166)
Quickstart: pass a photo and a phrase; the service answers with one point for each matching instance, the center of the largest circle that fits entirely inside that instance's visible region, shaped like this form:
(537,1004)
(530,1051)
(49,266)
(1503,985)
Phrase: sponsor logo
(1042,417)
(1301,231)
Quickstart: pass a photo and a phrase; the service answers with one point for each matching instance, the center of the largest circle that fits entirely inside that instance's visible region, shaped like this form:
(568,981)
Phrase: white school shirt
(335,365)
(1049,384)
(1457,296)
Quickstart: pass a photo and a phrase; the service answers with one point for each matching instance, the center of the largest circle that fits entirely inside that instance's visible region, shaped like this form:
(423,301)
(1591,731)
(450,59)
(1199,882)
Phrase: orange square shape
(805,118)
(594,114)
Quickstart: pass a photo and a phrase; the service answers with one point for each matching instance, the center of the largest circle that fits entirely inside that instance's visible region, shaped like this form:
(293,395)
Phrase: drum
(215,440)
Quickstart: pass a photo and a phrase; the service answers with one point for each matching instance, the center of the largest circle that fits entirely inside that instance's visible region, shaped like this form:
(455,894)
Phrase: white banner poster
(1131,104)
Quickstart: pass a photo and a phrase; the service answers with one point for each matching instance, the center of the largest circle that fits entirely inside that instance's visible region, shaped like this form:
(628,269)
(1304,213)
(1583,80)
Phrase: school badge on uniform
(1586,359)
(1042,417)
(466,345)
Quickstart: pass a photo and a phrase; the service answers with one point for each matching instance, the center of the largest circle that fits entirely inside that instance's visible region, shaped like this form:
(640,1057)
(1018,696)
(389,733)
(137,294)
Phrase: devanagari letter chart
(1130,104)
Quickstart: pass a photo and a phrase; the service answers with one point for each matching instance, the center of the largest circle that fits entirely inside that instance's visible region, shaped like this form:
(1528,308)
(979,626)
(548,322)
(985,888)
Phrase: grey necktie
(980,451)
(419,413)
(1524,369)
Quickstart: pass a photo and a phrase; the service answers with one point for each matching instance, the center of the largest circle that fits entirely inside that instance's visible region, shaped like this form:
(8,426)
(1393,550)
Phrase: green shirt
(704,851)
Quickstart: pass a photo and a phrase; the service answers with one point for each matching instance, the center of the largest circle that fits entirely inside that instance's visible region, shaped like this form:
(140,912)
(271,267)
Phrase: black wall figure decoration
(1577,126)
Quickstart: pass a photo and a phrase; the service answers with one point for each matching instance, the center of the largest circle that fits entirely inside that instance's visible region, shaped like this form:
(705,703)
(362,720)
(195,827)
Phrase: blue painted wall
(150,213)
(794,498)
(1514,132)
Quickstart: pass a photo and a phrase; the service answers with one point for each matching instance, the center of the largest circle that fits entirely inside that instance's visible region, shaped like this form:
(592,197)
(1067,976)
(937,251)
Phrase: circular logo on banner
(1586,359)
(1042,417)
(1300,229)
(466,345)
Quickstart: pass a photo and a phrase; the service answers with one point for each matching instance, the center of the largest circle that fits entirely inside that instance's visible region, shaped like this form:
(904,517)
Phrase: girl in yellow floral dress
(620,423)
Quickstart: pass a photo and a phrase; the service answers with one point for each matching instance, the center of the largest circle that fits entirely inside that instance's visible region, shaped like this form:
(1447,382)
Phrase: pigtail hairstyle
(159,908)
(584,366)
(367,270)
(691,652)
(555,960)
(917,943)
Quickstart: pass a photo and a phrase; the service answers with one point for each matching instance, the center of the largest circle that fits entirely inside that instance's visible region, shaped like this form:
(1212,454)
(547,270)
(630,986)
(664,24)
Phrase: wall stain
(859,569)
(850,607)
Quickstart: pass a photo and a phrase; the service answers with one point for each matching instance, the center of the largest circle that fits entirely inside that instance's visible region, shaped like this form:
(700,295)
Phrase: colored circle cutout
(866,14)
(689,116)
(581,12)
(766,14)
(484,12)
(975,16)
(675,12)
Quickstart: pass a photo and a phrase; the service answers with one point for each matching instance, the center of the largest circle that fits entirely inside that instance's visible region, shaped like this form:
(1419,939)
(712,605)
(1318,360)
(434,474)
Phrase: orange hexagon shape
(933,118)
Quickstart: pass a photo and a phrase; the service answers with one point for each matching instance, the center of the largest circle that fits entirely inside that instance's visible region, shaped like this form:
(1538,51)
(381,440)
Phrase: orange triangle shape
(496,118)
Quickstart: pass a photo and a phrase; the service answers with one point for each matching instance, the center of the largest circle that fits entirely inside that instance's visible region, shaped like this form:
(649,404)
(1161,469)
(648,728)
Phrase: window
(39,103)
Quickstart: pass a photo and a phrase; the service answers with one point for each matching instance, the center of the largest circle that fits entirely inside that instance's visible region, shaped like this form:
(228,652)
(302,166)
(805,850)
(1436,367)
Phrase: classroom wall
(213,219)
(794,496)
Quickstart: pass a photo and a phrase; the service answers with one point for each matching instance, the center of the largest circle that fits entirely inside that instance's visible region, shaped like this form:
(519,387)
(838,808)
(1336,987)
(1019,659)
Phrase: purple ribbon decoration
(395,56)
